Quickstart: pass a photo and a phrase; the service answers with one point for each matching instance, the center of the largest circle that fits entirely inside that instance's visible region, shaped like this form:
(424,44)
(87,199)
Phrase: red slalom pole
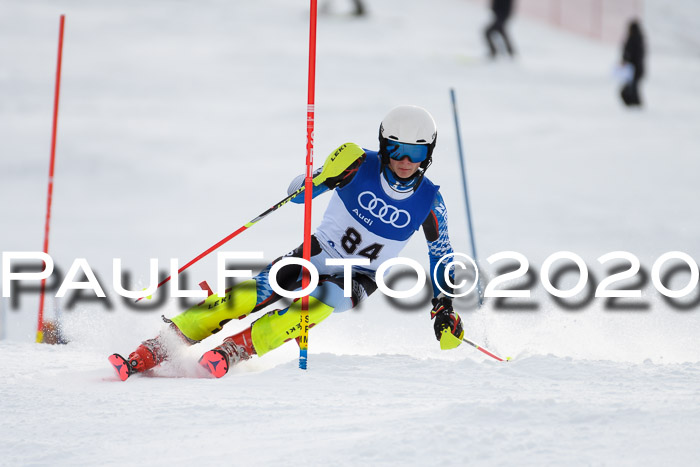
(308,183)
(49,196)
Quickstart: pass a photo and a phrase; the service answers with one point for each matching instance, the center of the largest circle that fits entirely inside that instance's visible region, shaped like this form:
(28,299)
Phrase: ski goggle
(414,152)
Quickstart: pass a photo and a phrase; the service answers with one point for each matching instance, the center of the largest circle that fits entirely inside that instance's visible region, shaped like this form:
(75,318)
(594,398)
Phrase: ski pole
(464,187)
(487,352)
(230,236)
(334,165)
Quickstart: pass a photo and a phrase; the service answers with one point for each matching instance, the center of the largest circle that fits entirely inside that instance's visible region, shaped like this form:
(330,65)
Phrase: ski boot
(232,350)
(149,354)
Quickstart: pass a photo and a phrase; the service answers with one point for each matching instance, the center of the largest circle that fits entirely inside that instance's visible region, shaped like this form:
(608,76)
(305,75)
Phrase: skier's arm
(435,230)
(298,182)
(338,170)
(442,314)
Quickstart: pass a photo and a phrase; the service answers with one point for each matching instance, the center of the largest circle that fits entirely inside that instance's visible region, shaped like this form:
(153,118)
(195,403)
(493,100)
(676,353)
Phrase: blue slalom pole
(464,187)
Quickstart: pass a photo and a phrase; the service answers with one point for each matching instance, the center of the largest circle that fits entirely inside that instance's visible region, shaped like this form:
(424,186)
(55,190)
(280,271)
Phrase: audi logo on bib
(386,213)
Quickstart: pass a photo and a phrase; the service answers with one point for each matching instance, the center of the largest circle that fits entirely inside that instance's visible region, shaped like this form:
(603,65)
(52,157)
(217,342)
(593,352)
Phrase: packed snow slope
(180,122)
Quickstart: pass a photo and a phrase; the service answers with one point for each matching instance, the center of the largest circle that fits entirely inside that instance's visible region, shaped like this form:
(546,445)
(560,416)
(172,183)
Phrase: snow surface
(182,121)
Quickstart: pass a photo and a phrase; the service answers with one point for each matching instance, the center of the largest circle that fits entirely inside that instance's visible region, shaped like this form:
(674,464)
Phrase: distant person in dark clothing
(633,54)
(502,10)
(327,8)
(359,8)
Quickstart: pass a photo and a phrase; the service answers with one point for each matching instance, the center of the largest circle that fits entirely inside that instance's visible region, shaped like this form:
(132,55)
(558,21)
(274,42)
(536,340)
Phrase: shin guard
(280,326)
(209,317)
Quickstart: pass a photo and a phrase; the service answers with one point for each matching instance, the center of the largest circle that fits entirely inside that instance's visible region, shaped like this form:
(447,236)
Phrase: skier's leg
(627,94)
(267,333)
(212,314)
(634,94)
(207,317)
(194,325)
(488,34)
(280,326)
(149,354)
(506,39)
(152,352)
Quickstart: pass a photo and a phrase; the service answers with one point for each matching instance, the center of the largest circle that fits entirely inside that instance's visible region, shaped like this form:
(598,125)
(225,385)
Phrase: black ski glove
(445,317)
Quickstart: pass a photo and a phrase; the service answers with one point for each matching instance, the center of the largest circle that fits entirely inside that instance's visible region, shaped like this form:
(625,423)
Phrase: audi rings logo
(386,213)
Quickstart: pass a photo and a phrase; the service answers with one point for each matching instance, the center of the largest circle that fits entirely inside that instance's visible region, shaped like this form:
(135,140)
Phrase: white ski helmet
(408,131)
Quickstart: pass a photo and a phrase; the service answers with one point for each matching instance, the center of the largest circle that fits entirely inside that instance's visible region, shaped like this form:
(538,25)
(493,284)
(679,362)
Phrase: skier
(380,200)
(633,54)
(502,10)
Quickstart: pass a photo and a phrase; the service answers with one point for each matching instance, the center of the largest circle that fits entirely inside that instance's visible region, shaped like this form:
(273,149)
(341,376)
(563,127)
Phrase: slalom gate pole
(49,196)
(308,195)
(487,352)
(466,192)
